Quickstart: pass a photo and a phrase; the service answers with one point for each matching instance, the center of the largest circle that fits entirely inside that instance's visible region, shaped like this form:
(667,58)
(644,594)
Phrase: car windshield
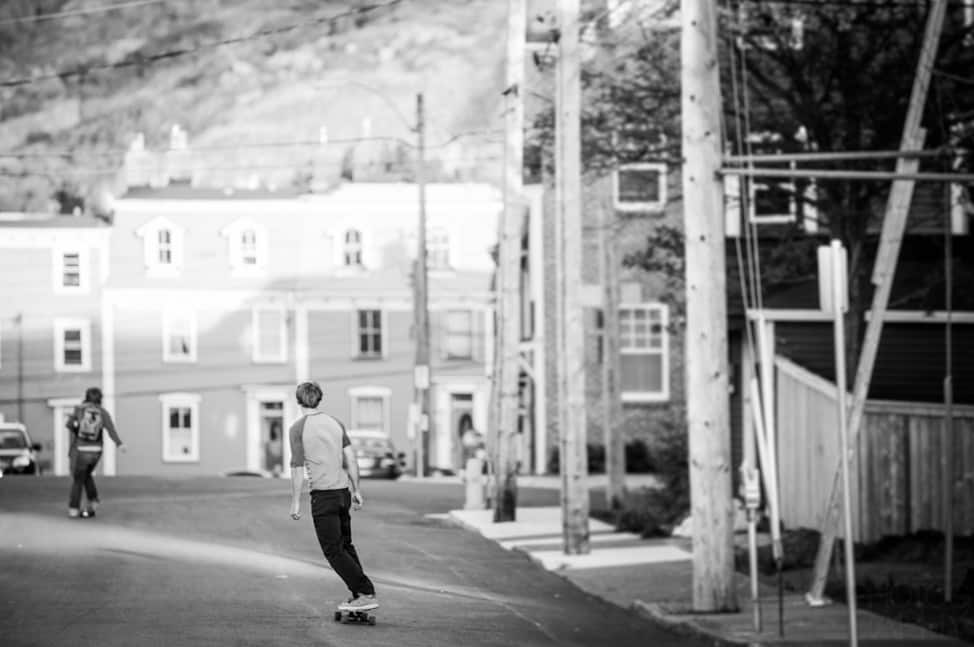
(370,443)
(12,439)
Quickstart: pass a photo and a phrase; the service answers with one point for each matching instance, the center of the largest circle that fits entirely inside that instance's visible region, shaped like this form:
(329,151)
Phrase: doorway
(466,438)
(272,436)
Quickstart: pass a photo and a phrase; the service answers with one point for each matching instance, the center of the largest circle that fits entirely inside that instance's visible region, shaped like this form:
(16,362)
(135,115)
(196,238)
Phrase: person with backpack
(87,425)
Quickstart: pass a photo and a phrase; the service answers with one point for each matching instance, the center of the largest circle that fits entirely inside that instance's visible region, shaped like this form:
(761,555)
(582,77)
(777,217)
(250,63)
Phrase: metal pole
(20,368)
(839,156)
(948,444)
(422,303)
(838,319)
(829,174)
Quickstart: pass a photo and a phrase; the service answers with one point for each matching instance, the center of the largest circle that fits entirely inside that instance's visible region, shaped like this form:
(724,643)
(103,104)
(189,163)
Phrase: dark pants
(82,465)
(333,525)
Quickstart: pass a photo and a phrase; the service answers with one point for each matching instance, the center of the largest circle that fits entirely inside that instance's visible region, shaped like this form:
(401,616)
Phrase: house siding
(27,285)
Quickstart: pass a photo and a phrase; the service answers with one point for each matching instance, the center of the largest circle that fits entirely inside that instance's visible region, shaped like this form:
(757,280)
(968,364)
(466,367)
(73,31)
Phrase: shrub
(637,459)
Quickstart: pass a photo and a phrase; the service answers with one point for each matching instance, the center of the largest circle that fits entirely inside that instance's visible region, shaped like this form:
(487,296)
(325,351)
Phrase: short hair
(93,395)
(309,394)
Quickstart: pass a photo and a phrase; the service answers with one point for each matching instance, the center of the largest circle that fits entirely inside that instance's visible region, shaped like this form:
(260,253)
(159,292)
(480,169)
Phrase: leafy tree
(819,76)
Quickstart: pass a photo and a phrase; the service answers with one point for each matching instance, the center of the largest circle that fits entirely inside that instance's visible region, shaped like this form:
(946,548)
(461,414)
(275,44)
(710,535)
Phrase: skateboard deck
(355,617)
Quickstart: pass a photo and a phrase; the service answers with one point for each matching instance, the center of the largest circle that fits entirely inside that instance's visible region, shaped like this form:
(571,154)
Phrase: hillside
(76,89)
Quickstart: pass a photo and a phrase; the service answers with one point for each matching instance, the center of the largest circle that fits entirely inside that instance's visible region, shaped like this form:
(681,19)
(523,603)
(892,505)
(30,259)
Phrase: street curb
(685,625)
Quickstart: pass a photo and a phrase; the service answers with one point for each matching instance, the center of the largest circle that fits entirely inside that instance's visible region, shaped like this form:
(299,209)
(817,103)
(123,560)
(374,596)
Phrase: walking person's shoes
(361,603)
(74,513)
(87,513)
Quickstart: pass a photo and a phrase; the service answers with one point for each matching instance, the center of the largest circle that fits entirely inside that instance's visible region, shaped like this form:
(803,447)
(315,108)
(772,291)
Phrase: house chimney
(178,158)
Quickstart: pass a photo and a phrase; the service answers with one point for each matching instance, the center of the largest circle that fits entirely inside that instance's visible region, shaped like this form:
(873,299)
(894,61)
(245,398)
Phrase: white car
(376,454)
(18,455)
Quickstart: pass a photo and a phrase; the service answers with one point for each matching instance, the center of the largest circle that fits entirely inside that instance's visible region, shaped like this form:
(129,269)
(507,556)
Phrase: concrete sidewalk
(654,578)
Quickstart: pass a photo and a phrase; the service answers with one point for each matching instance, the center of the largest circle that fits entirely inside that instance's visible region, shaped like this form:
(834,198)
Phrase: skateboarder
(86,426)
(322,453)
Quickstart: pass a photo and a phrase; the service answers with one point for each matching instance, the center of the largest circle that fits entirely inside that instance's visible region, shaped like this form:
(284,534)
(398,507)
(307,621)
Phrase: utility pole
(20,368)
(423,377)
(615,449)
(505,503)
(708,406)
(568,178)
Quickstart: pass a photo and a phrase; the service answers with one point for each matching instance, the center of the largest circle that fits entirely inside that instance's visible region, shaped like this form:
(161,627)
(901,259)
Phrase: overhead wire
(141,60)
(76,12)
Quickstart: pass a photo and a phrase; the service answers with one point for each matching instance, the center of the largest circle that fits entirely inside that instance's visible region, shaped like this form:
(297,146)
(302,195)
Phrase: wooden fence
(896,477)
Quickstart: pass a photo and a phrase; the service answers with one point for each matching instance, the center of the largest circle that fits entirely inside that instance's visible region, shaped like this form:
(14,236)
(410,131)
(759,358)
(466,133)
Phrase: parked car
(376,454)
(18,455)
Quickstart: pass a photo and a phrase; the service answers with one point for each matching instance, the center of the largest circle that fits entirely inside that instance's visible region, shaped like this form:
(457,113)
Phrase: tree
(809,76)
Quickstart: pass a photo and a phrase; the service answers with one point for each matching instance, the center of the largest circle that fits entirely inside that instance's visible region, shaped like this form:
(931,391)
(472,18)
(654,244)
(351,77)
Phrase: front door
(465,439)
(272,436)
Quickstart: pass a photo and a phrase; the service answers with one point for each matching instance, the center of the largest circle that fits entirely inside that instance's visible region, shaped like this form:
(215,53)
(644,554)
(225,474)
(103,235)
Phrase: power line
(140,60)
(78,12)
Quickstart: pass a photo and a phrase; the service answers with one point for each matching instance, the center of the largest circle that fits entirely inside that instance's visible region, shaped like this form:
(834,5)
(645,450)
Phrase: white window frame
(753,184)
(62,325)
(447,332)
(277,358)
(641,207)
(344,246)
(84,271)
(149,232)
(234,233)
(382,392)
(383,332)
(189,401)
(170,317)
(644,397)
(438,241)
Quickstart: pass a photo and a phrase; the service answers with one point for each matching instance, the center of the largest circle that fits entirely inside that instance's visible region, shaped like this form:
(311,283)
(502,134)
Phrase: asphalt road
(219,562)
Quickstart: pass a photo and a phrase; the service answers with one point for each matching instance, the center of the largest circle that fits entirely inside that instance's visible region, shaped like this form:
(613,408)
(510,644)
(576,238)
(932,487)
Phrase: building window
(246,247)
(459,334)
(180,427)
(352,250)
(72,345)
(370,408)
(370,333)
(179,336)
(640,187)
(163,247)
(438,249)
(771,201)
(270,335)
(644,350)
(70,271)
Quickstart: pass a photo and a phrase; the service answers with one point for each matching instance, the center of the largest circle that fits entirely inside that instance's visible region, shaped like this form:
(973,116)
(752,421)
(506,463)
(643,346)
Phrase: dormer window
(247,247)
(352,251)
(163,247)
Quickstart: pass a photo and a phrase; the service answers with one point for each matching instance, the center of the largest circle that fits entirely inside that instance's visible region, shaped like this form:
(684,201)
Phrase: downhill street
(218,562)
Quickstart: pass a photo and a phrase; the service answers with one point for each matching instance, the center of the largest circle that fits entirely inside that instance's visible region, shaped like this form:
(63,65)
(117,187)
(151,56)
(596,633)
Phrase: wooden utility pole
(505,503)
(423,376)
(568,178)
(894,225)
(615,450)
(708,406)
(20,368)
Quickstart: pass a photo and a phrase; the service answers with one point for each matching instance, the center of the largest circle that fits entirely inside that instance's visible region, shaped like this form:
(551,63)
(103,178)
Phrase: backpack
(90,424)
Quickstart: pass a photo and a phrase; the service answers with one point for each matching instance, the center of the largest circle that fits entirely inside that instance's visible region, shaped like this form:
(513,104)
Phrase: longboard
(355,617)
